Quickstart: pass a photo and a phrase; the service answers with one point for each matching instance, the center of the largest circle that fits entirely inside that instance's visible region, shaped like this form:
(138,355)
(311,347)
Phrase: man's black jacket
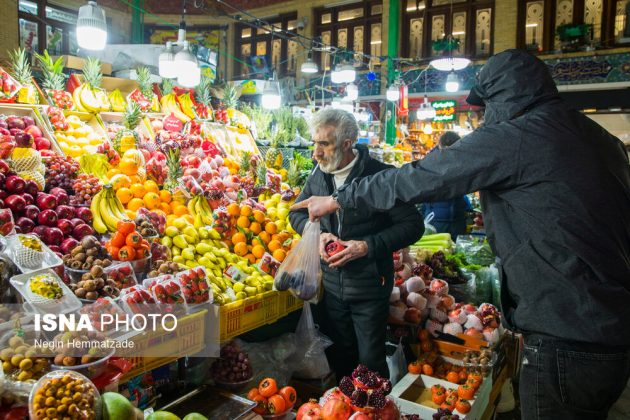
(370,277)
(555,190)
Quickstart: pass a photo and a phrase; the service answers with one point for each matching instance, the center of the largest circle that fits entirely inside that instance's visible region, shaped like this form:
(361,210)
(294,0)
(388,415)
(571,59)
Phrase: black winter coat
(372,276)
(555,191)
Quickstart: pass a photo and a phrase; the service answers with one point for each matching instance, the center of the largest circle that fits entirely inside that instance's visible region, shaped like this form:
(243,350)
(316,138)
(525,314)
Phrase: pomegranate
(336,409)
(311,408)
(390,411)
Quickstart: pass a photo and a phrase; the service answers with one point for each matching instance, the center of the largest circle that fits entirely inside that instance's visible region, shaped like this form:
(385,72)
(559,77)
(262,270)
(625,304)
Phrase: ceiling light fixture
(452,82)
(426,111)
(271,98)
(91,27)
(309,66)
(183,65)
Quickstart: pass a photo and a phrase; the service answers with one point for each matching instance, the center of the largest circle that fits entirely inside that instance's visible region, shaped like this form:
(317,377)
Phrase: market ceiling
(174,7)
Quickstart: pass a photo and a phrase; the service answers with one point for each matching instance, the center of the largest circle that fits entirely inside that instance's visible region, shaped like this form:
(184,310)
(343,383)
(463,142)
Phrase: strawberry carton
(103,314)
(195,286)
(168,292)
(137,300)
(152,281)
(122,274)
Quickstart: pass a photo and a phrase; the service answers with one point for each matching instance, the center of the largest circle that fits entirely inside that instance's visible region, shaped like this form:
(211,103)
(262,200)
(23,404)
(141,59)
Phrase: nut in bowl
(84,353)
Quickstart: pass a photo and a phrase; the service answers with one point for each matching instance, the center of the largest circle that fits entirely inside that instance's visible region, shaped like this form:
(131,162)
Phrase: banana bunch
(107,210)
(117,101)
(170,106)
(89,99)
(187,106)
(201,211)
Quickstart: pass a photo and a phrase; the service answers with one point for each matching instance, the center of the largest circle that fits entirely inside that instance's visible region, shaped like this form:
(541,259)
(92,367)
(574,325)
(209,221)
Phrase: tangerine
(259,216)
(233,209)
(265,237)
(274,245)
(246,210)
(151,200)
(255,228)
(151,186)
(131,214)
(258,251)
(128,166)
(124,195)
(120,181)
(240,249)
(135,204)
(238,238)
(165,196)
(251,258)
(271,228)
(180,210)
(138,190)
(243,222)
(166,208)
(112,173)
(135,179)
(279,254)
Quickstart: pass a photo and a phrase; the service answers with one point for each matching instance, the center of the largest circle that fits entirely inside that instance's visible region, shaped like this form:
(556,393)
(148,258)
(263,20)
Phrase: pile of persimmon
(428,357)
(127,244)
(271,400)
(454,399)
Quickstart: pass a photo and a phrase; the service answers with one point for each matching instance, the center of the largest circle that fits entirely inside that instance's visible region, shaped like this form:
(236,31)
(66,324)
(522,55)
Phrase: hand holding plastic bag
(312,362)
(299,272)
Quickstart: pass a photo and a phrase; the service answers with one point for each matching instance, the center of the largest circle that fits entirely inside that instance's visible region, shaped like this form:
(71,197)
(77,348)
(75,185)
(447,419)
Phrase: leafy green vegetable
(460,259)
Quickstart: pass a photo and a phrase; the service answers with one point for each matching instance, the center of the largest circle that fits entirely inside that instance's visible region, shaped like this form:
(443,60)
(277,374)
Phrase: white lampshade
(450,63)
(167,66)
(393,93)
(91,27)
(426,111)
(348,73)
(190,79)
(309,66)
(185,60)
(336,76)
(352,92)
(452,82)
(271,98)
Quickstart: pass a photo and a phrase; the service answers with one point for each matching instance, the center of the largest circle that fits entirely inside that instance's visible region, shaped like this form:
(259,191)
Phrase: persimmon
(261,404)
(268,387)
(437,387)
(466,391)
(452,376)
(414,368)
(252,393)
(276,404)
(427,369)
(289,395)
(462,405)
(463,375)
(439,397)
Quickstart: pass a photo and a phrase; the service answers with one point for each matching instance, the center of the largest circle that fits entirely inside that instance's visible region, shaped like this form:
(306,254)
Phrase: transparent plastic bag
(476,249)
(396,363)
(311,345)
(429,229)
(299,272)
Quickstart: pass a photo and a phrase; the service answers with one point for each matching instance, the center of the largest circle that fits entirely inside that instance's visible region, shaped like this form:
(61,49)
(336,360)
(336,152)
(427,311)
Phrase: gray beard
(332,165)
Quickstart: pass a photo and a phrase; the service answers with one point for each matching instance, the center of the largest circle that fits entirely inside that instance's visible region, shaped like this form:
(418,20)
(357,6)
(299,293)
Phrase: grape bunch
(444,414)
(61,172)
(85,187)
(233,365)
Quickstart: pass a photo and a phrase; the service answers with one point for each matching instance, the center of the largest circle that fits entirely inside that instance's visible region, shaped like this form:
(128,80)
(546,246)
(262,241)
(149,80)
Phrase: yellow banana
(116,205)
(76,96)
(97,221)
(107,213)
(89,100)
(169,105)
(191,206)
(186,105)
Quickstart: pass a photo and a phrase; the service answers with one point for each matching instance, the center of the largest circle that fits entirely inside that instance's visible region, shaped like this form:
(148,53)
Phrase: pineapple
(146,89)
(260,185)
(174,169)
(294,174)
(273,157)
(230,99)
(90,96)
(128,138)
(55,81)
(21,69)
(204,97)
(167,86)
(245,166)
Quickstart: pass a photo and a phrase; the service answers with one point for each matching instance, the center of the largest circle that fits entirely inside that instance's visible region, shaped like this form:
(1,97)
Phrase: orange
(131,214)
(238,238)
(259,216)
(151,200)
(120,181)
(174,205)
(124,195)
(240,249)
(279,254)
(138,190)
(151,186)
(258,251)
(251,258)
(271,228)
(243,222)
(135,179)
(165,196)
(112,172)
(274,245)
(128,166)
(258,241)
(233,209)
(135,204)
(165,208)
(180,210)
(255,228)
(246,210)
(283,236)
(265,237)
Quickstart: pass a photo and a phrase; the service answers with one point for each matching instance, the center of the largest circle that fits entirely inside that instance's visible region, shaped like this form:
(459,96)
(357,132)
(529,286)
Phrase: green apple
(117,407)
(171,231)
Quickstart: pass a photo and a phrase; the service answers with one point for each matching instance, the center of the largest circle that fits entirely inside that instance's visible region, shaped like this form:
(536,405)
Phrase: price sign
(444,110)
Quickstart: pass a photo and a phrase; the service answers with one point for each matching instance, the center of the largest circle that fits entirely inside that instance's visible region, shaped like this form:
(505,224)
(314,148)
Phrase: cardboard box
(413,395)
(77,63)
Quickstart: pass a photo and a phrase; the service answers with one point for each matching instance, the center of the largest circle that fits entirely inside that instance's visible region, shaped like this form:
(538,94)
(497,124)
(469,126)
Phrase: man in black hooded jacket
(555,190)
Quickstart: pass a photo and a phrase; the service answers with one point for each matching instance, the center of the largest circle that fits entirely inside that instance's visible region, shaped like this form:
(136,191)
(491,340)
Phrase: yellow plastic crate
(239,317)
(289,303)
(186,339)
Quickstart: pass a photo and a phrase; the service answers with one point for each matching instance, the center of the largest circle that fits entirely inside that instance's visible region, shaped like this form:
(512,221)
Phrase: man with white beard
(358,279)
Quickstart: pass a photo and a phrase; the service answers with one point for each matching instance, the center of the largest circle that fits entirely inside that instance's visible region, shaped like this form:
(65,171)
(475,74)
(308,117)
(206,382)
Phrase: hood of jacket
(510,83)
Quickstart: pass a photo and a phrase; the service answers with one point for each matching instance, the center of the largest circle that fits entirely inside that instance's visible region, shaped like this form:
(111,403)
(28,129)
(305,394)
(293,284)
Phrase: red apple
(47,217)
(4,166)
(52,236)
(23,139)
(84,213)
(28,121)
(82,230)
(34,131)
(65,226)
(29,199)
(15,185)
(25,224)
(68,245)
(15,202)
(46,201)
(31,187)
(31,212)
(15,122)
(42,143)
(39,231)
(76,222)
(65,212)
